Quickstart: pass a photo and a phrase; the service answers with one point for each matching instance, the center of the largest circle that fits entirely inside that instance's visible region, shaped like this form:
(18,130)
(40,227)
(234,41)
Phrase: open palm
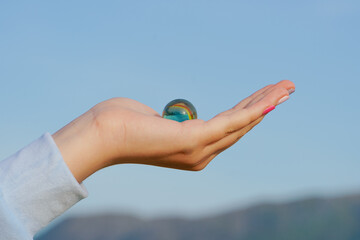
(132,132)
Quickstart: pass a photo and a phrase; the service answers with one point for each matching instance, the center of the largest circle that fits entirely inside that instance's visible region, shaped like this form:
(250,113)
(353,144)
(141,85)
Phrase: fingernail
(291,90)
(269,109)
(283,99)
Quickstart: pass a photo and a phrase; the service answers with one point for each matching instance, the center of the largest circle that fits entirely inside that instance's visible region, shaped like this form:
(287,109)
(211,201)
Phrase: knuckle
(229,131)
(283,91)
(268,101)
(247,117)
(278,91)
(198,168)
(285,81)
(230,128)
(193,161)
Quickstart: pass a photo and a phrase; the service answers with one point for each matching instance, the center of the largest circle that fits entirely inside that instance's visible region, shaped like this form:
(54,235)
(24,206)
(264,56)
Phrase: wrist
(80,147)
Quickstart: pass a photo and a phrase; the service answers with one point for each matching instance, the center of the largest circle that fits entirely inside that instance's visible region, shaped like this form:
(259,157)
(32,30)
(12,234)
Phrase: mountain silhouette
(308,219)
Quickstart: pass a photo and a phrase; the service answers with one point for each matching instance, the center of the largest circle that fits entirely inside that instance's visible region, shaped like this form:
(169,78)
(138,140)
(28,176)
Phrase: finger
(218,147)
(260,94)
(221,125)
(244,102)
(203,164)
(231,139)
(288,85)
(251,97)
(272,99)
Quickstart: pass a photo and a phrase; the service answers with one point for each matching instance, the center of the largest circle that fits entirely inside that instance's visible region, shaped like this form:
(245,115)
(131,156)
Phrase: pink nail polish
(283,99)
(269,109)
(291,90)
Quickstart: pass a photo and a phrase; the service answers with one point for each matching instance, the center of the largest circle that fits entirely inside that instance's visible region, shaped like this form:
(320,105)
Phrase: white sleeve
(35,187)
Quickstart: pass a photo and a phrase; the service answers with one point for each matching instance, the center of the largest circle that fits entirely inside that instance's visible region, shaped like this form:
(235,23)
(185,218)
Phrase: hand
(122,130)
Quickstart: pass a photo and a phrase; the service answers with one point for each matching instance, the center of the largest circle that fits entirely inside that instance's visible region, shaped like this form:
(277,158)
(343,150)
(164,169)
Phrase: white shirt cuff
(37,184)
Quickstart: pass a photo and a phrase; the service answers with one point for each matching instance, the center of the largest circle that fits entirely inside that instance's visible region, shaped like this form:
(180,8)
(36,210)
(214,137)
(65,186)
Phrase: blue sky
(58,59)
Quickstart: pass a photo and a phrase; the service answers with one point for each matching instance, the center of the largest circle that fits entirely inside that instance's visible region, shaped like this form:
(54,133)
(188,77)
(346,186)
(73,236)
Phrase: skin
(122,130)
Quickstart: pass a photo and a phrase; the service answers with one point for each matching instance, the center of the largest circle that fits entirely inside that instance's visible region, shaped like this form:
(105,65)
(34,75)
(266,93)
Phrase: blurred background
(58,59)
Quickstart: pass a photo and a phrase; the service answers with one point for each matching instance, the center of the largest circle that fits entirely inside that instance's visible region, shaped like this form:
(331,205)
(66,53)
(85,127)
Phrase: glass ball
(179,110)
